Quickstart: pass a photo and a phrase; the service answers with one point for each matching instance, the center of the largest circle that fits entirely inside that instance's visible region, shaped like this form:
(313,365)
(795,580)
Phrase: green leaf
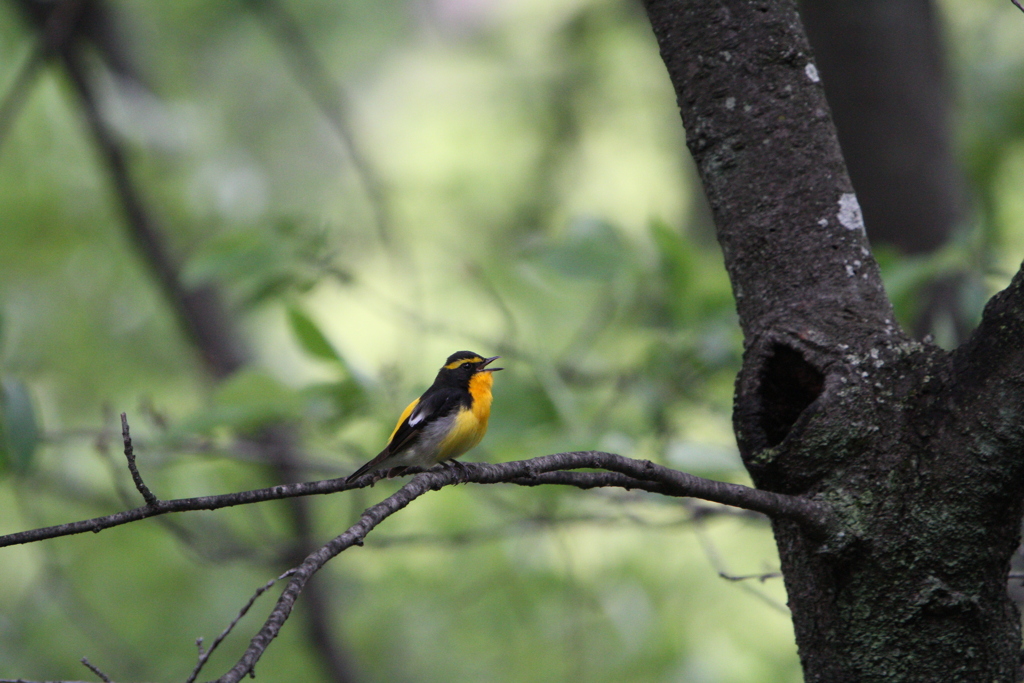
(310,337)
(590,249)
(19,433)
(696,286)
(246,401)
(335,401)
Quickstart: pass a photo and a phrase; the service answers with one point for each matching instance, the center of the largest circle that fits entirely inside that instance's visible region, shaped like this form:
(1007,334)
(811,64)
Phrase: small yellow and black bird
(446,421)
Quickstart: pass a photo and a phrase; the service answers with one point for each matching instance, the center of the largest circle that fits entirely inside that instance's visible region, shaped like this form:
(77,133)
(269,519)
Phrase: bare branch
(311,73)
(92,667)
(204,655)
(812,515)
(355,534)
(716,561)
(129,453)
(633,474)
(200,310)
(625,472)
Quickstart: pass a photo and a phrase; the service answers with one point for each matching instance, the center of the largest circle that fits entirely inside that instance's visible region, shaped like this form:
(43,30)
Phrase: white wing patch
(418,415)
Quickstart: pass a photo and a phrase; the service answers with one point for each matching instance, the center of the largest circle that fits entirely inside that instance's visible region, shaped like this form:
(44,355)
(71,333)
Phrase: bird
(446,421)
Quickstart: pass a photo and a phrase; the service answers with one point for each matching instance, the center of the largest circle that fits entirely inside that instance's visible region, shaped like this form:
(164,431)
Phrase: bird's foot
(460,468)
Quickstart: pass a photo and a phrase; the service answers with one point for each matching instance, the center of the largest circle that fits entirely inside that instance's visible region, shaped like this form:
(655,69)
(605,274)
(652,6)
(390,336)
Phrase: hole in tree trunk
(788,385)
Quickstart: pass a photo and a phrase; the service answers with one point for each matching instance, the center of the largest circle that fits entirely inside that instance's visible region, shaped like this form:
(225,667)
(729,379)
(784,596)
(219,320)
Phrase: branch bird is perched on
(446,421)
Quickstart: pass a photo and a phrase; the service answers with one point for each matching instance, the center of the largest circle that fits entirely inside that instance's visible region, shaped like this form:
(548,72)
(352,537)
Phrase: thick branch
(668,481)
(758,126)
(200,310)
(623,472)
(990,367)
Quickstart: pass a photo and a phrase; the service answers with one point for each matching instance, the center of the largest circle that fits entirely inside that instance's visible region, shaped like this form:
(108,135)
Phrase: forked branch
(613,471)
(549,469)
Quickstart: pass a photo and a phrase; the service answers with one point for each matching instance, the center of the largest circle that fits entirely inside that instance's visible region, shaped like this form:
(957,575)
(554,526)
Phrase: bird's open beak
(483,366)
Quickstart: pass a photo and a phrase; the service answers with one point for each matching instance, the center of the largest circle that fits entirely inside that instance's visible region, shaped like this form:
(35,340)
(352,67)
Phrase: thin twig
(91,667)
(1018,5)
(199,310)
(421,484)
(311,73)
(628,473)
(527,525)
(746,577)
(129,453)
(205,655)
(716,561)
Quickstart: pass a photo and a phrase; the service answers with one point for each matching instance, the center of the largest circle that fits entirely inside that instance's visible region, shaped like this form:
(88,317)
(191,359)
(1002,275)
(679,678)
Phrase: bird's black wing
(432,405)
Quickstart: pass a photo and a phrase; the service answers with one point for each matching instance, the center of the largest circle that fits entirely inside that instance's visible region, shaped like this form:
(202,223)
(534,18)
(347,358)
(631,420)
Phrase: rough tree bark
(918,451)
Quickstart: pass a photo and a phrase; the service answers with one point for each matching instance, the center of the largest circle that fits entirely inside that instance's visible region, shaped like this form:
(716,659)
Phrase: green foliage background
(538,203)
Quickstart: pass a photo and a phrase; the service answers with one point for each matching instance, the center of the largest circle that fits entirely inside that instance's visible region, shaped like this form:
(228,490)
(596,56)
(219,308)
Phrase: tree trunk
(917,450)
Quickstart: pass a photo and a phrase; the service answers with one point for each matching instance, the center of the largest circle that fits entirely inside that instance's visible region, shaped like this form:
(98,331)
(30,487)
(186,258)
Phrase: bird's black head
(462,365)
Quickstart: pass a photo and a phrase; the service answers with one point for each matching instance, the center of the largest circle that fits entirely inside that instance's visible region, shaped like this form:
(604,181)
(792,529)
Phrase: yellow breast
(470,424)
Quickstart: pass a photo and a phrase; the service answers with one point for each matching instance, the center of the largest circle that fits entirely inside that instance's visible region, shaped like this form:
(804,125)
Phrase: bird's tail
(360,472)
(372,465)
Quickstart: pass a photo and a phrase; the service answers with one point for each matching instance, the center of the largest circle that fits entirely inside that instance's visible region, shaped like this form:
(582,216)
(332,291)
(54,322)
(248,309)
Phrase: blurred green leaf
(19,432)
(344,399)
(677,266)
(696,286)
(247,400)
(590,249)
(231,256)
(264,262)
(310,337)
